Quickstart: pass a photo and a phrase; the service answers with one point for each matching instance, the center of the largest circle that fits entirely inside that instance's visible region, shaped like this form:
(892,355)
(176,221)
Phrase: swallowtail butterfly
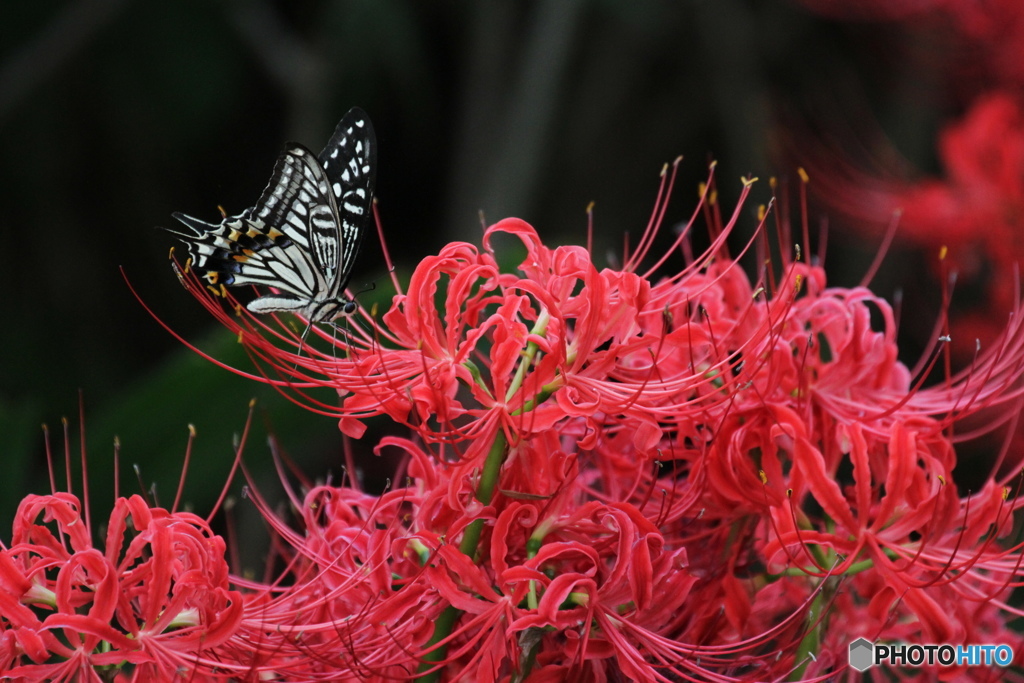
(302,235)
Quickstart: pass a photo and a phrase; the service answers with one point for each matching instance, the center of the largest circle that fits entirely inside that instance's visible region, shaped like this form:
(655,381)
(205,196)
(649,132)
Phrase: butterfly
(303,234)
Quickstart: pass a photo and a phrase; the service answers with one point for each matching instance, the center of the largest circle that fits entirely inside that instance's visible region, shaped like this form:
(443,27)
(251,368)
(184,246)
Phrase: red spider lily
(376,581)
(973,210)
(619,473)
(156,596)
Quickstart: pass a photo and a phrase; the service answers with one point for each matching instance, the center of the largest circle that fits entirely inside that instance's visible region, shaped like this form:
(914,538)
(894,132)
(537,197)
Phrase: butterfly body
(302,236)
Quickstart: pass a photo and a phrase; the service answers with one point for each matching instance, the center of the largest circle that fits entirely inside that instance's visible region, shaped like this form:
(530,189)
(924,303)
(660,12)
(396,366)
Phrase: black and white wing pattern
(303,234)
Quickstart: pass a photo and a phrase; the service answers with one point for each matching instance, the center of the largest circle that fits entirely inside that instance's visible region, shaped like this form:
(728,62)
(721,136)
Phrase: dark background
(114,113)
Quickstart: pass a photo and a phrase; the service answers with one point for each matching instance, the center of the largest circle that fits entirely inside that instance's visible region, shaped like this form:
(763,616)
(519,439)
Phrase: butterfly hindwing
(302,235)
(241,251)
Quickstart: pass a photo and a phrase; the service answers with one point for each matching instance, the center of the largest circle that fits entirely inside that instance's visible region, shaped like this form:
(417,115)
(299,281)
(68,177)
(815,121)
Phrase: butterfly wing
(303,234)
(350,160)
(274,243)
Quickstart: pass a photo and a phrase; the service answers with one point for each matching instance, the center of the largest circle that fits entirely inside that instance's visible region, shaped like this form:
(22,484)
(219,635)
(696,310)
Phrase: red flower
(611,473)
(155,597)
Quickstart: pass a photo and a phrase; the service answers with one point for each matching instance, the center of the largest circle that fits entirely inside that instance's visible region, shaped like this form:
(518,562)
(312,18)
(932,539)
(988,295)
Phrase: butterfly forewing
(298,202)
(302,235)
(350,160)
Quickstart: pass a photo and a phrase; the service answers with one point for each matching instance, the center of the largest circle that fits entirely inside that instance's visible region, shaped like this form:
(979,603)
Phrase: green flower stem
(442,629)
(468,546)
(533,545)
(485,494)
(811,642)
(543,395)
(539,328)
(478,378)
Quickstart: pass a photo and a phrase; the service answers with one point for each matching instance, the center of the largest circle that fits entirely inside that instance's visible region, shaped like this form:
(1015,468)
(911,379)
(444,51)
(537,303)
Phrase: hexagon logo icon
(861,654)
